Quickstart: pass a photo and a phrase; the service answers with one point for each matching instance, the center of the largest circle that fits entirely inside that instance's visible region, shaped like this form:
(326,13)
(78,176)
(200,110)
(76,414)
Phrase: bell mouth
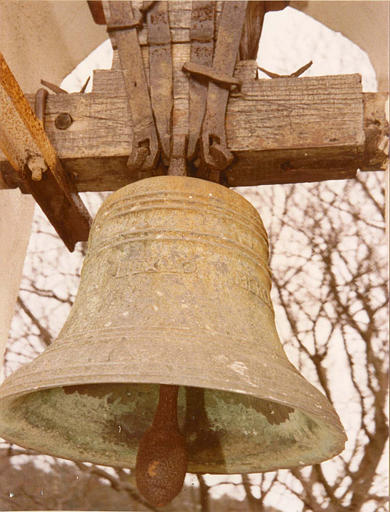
(225,431)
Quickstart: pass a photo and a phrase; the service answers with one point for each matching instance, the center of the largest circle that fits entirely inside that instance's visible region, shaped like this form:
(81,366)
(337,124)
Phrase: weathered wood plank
(280,131)
(376,129)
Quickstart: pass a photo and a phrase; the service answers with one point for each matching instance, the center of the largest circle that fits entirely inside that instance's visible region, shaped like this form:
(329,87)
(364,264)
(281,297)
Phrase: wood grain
(283,130)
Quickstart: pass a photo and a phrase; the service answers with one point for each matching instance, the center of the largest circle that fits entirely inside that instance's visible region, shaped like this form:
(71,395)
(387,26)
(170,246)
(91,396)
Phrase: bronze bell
(175,289)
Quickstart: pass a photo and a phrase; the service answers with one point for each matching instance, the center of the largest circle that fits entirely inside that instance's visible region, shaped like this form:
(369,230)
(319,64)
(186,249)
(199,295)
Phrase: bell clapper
(162,456)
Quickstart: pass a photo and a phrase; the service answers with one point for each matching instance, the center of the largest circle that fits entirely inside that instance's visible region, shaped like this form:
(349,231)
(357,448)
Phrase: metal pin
(53,87)
(295,74)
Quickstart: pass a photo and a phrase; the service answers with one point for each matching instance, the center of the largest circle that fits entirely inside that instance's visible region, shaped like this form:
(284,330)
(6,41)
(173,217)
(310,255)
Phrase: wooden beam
(283,130)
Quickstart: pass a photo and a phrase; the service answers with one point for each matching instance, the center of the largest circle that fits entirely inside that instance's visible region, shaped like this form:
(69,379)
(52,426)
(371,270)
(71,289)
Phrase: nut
(37,166)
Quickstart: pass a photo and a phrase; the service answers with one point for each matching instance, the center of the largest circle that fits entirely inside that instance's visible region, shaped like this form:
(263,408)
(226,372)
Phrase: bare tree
(329,264)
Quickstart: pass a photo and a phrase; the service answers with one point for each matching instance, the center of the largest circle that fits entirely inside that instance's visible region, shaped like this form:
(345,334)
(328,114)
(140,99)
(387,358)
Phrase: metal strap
(178,161)
(97,11)
(160,72)
(145,149)
(214,151)
(202,48)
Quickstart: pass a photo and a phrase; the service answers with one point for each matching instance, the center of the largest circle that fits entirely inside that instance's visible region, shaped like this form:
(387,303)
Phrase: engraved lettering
(250,284)
(160,265)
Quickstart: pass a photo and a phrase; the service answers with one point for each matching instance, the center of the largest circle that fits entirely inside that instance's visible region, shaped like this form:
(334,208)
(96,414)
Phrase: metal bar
(27,147)
(160,72)
(215,153)
(202,48)
(209,73)
(145,148)
(97,11)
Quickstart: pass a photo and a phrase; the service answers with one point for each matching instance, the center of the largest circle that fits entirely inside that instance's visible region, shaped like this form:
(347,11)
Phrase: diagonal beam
(30,152)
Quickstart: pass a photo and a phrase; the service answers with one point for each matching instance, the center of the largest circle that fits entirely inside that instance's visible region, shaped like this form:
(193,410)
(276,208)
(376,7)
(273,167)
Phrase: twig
(46,337)
(53,87)
(295,74)
(82,90)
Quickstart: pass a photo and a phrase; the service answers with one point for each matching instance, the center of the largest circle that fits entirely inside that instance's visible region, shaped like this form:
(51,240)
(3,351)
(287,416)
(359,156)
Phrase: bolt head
(63,121)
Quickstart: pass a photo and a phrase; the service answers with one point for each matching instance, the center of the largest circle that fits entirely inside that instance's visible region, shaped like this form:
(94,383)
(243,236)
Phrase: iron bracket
(145,147)
(214,151)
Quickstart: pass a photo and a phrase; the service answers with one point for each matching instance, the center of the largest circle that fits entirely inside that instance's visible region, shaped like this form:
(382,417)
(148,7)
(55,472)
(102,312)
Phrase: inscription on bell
(159,265)
(166,265)
(252,285)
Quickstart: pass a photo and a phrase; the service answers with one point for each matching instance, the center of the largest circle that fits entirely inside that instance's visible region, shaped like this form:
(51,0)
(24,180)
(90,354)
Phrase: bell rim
(335,427)
(190,379)
(192,468)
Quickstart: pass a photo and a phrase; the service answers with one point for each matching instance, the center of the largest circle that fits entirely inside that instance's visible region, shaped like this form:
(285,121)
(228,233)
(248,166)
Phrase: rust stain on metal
(25,143)
(33,125)
(161,463)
